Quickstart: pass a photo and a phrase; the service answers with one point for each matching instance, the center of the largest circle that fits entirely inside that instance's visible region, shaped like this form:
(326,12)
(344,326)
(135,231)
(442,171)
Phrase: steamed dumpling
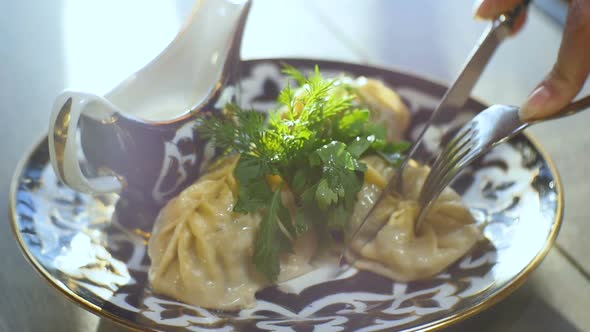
(201,251)
(447,234)
(386,106)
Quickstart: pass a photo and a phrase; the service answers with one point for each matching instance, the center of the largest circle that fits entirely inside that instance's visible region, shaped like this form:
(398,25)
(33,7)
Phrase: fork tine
(456,165)
(448,158)
(452,171)
(434,188)
(453,157)
(450,152)
(436,180)
(447,177)
(426,205)
(453,144)
(457,153)
(466,160)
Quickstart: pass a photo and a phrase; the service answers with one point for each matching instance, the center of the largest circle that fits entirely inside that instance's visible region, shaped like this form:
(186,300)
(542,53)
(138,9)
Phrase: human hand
(572,67)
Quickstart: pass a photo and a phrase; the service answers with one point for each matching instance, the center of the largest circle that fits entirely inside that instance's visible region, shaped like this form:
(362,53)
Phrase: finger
(569,72)
(520,21)
(490,9)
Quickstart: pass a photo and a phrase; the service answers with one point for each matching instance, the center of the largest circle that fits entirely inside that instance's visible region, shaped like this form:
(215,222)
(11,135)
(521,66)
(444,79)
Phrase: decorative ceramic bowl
(74,242)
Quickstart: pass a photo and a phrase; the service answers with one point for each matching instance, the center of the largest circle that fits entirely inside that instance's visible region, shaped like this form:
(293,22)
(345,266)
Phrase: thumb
(569,72)
(491,9)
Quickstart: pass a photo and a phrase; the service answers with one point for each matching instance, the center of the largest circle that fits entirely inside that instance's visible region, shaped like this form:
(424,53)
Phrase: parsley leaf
(254,191)
(360,145)
(342,178)
(325,195)
(270,240)
(354,123)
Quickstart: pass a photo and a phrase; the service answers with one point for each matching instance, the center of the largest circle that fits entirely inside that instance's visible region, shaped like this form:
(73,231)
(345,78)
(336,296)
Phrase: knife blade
(455,97)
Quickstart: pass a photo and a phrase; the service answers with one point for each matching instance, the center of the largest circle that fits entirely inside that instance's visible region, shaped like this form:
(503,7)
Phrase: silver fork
(493,126)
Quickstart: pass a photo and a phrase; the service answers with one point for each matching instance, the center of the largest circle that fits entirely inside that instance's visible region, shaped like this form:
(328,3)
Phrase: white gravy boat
(138,139)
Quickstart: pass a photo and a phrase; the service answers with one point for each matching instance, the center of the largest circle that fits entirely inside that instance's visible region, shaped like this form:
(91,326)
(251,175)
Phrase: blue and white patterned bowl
(74,242)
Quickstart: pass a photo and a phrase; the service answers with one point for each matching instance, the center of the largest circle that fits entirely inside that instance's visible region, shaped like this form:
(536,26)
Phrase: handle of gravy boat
(64,148)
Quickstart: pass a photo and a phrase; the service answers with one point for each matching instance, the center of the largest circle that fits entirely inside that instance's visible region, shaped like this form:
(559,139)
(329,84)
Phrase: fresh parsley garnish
(270,240)
(311,145)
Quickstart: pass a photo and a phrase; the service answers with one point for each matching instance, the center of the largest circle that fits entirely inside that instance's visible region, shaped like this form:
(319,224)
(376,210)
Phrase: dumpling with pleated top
(448,233)
(201,250)
(386,105)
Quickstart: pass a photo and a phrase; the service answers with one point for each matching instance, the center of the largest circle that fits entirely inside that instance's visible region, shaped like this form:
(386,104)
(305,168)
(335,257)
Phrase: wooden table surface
(46,46)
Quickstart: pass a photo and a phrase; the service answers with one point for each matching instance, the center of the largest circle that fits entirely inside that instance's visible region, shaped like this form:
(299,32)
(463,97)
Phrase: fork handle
(571,109)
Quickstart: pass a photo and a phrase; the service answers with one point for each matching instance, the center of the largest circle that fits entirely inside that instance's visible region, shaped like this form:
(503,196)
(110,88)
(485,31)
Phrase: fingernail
(536,102)
(476,9)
